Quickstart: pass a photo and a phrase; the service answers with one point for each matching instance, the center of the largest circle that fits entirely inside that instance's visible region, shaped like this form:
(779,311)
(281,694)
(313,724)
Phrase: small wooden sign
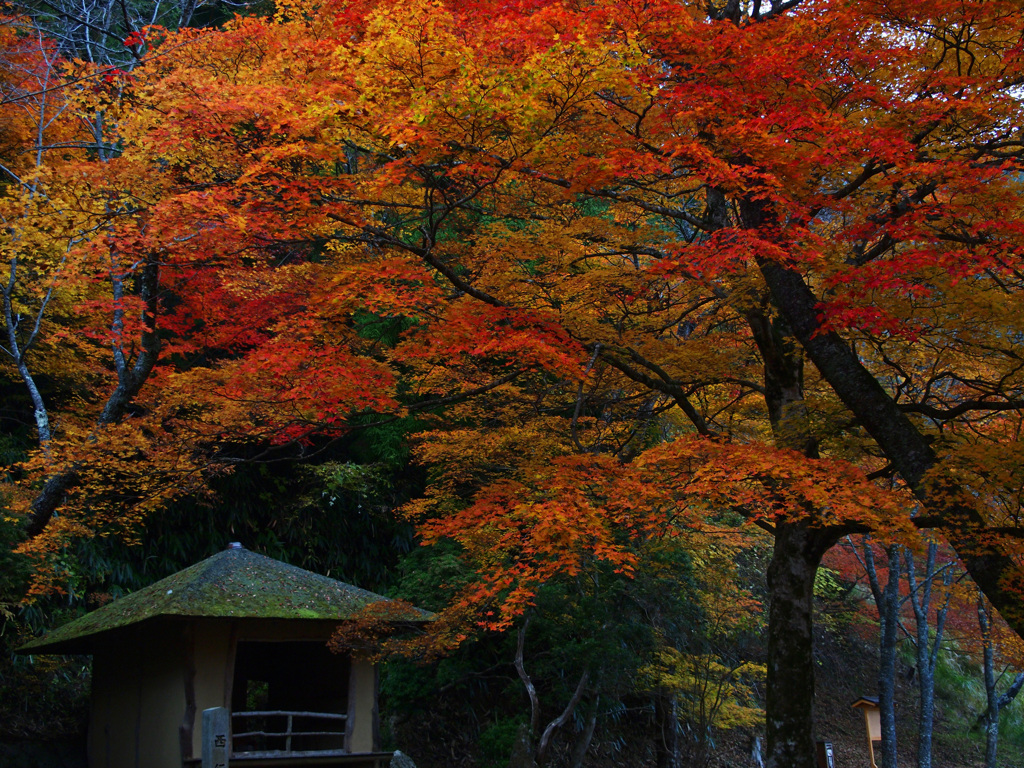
(872,722)
(216,737)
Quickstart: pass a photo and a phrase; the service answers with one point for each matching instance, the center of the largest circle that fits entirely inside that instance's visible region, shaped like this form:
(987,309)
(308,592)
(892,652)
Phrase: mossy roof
(235,584)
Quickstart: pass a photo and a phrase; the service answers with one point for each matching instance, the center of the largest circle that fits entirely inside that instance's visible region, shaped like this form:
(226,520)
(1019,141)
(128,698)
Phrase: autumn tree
(790,228)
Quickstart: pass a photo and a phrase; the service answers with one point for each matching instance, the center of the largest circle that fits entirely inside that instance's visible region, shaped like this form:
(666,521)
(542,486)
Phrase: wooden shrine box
(239,631)
(872,722)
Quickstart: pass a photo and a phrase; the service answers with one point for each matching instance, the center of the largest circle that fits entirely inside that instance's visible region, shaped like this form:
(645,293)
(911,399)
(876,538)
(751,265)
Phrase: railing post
(216,737)
(288,735)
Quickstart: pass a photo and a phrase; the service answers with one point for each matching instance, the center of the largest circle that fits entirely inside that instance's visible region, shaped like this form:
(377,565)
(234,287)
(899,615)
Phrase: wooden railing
(277,733)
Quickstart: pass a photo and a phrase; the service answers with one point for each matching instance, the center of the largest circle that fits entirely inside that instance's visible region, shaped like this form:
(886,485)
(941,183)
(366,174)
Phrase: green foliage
(960,697)
(335,518)
(828,585)
(836,604)
(38,695)
(427,576)
(14,569)
(1011,732)
(386,330)
(45,695)
(497,741)
(958,678)
(42,696)
(384,444)
(714,694)
(703,661)
(11,451)
(600,621)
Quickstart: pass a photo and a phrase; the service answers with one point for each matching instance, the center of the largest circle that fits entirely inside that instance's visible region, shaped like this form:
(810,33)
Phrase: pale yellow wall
(115,677)
(137,701)
(213,643)
(362,706)
(163,699)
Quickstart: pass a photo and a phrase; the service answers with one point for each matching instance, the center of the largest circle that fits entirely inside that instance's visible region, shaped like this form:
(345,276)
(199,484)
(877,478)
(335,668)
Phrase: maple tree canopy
(557,193)
(790,235)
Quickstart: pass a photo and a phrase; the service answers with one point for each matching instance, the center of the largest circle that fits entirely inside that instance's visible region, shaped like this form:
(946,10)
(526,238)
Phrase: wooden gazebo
(239,633)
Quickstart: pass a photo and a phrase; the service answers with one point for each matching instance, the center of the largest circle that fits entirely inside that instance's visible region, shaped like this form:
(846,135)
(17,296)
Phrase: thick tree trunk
(790,724)
(796,555)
